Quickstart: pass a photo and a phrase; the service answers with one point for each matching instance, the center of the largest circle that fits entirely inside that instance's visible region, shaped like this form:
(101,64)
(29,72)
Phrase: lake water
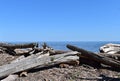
(91,46)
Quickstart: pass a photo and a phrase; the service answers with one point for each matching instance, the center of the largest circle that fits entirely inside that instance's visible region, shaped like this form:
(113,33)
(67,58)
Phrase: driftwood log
(10,48)
(13,77)
(35,61)
(114,56)
(110,48)
(15,46)
(29,48)
(96,57)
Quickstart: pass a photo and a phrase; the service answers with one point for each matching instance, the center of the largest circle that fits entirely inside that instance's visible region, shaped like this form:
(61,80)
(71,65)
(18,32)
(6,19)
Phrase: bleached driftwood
(35,61)
(96,57)
(110,48)
(23,51)
(13,77)
(114,56)
(52,51)
(10,48)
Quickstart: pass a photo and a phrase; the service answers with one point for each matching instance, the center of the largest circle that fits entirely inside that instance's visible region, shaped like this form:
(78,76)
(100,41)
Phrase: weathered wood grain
(35,61)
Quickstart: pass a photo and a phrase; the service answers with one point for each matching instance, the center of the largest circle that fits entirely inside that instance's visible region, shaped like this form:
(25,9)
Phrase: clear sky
(59,20)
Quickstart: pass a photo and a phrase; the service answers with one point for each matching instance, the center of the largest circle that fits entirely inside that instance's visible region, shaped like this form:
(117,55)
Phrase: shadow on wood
(96,57)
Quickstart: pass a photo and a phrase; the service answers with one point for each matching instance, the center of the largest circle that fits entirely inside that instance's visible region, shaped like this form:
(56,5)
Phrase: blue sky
(59,20)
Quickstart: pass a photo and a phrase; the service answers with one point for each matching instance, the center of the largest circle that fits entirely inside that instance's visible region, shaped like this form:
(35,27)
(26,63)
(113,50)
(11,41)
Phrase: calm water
(91,46)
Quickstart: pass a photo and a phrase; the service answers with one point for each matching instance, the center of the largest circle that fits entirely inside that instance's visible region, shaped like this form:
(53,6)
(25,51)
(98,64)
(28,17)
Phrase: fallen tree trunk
(13,77)
(10,48)
(15,46)
(96,57)
(35,61)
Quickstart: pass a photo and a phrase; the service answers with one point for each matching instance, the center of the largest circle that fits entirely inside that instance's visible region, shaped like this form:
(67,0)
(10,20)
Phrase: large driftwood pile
(34,57)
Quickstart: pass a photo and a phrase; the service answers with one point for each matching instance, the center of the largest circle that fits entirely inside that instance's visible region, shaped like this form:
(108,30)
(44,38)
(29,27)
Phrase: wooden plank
(35,61)
(96,57)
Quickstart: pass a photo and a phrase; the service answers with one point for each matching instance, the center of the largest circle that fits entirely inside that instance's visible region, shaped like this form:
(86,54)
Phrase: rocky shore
(80,72)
